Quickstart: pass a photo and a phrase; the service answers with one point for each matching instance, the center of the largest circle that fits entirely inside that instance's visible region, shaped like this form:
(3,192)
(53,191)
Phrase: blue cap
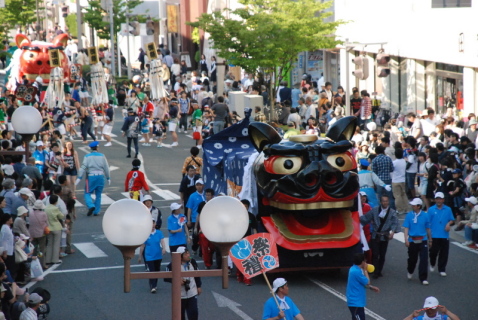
(457,171)
(364,162)
(94,144)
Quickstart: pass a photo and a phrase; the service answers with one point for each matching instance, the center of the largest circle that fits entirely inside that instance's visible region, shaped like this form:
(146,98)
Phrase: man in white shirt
(398,182)
(416,129)
(311,109)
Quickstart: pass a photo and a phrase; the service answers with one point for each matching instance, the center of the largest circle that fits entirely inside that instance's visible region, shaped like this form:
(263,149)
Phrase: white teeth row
(312,206)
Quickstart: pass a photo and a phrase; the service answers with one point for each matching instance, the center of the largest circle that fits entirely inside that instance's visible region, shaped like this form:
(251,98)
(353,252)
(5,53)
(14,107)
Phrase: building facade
(433,46)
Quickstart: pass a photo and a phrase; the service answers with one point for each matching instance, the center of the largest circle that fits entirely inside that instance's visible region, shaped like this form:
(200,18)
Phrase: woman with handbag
(55,223)
(39,230)
(133,102)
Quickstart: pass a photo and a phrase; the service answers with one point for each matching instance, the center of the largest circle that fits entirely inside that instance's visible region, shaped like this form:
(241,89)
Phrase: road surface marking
(167,195)
(400,237)
(106,268)
(45,273)
(465,247)
(343,297)
(105,200)
(90,250)
(224,302)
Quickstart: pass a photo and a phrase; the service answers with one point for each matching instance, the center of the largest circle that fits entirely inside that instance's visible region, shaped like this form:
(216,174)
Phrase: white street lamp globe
(26,120)
(224,219)
(127,222)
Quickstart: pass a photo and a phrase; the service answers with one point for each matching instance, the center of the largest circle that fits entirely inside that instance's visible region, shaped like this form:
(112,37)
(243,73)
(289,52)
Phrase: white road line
(465,247)
(400,237)
(125,194)
(167,195)
(90,250)
(45,273)
(343,297)
(106,268)
(105,200)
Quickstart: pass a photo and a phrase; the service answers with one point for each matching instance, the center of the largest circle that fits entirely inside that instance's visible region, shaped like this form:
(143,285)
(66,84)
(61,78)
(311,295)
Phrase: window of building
(451,3)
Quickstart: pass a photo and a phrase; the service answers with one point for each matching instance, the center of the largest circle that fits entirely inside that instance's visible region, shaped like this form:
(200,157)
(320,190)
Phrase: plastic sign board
(255,254)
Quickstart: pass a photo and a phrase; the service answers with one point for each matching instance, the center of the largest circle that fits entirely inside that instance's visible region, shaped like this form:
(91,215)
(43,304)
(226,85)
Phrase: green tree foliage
(18,12)
(268,35)
(98,17)
(72,25)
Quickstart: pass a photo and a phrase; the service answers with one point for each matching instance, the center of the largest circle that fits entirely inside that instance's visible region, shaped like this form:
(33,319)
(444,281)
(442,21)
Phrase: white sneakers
(409,275)
(108,144)
(425,283)
(146,144)
(185,132)
(432,268)
(160,144)
(174,144)
(443,274)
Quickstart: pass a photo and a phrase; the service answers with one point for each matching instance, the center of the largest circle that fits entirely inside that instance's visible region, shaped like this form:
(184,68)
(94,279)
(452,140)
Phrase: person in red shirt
(135,182)
(148,111)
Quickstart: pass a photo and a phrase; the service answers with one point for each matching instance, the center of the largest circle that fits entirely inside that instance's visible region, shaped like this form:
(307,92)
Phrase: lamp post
(26,121)
(127,224)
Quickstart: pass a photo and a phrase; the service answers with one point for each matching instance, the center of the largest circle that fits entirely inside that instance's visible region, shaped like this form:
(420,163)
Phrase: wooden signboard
(93,55)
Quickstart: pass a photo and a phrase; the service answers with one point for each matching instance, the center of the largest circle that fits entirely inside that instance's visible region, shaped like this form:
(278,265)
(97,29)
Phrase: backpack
(133,128)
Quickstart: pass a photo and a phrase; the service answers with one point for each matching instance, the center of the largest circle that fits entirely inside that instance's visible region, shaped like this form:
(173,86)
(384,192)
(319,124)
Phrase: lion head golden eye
(342,161)
(284,165)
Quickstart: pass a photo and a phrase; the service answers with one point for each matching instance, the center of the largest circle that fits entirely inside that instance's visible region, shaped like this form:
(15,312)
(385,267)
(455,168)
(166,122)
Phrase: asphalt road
(89,283)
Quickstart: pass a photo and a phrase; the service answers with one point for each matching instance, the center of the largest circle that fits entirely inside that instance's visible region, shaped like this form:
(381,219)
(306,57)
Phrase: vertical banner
(173,13)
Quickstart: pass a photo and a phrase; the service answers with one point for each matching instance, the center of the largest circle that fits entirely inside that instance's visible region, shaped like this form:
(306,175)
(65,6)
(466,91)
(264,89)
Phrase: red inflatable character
(34,58)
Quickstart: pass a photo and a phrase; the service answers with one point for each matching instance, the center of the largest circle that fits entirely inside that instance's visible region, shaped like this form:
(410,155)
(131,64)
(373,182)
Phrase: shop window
(451,3)
(449,67)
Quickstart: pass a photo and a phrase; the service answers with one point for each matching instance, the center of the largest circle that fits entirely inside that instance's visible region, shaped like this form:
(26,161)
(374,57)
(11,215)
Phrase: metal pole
(127,45)
(119,56)
(112,38)
(347,78)
(176,285)
(79,29)
(127,274)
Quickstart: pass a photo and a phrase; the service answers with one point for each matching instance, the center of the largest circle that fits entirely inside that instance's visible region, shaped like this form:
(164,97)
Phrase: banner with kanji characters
(255,254)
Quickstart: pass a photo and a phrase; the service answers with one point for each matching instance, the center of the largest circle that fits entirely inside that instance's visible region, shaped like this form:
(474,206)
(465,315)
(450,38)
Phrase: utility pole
(112,38)
(127,45)
(79,25)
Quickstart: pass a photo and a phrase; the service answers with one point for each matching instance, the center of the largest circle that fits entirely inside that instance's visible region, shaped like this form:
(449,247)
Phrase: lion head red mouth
(308,187)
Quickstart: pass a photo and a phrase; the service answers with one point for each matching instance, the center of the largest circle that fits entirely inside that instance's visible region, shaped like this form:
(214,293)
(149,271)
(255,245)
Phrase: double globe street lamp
(127,225)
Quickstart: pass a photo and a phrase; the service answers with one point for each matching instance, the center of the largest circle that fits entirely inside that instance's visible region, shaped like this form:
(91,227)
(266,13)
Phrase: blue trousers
(94,184)
(153,265)
(416,250)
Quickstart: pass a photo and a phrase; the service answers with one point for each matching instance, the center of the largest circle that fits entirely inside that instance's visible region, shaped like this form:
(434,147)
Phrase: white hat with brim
(472,200)
(147,198)
(439,195)
(21,210)
(181,250)
(175,206)
(431,303)
(279,282)
(416,202)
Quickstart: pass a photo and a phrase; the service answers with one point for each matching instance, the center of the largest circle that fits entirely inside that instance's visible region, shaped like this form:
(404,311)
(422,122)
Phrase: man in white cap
(441,220)
(417,239)
(433,311)
(155,212)
(192,209)
(178,231)
(190,286)
(33,303)
(288,310)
